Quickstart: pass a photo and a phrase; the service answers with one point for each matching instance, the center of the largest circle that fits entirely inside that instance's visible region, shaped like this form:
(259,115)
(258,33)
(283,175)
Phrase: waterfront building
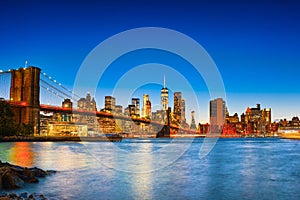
(257,120)
(203,128)
(217,109)
(110,104)
(67,117)
(146,112)
(67,103)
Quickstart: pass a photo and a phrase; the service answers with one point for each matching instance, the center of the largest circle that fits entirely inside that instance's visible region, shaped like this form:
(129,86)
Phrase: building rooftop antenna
(26,62)
(164,81)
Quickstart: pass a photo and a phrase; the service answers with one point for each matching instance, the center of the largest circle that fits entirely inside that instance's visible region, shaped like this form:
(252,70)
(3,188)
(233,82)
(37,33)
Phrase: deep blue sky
(255,44)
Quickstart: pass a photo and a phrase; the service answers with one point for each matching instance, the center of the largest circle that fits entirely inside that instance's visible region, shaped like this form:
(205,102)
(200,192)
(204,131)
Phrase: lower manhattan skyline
(255,47)
(149,99)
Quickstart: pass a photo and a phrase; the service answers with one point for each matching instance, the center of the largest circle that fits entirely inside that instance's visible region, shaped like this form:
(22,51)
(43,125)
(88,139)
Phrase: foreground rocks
(22,196)
(14,177)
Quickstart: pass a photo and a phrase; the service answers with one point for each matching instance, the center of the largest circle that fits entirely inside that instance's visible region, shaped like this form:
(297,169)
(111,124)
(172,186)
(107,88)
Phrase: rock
(42,197)
(28,176)
(11,181)
(3,194)
(38,172)
(12,196)
(13,176)
(50,172)
(23,195)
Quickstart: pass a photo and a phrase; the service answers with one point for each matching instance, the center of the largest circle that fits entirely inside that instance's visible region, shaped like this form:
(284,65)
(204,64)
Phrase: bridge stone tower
(25,91)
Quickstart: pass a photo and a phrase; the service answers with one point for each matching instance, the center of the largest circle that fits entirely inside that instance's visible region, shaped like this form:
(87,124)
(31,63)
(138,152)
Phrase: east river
(162,169)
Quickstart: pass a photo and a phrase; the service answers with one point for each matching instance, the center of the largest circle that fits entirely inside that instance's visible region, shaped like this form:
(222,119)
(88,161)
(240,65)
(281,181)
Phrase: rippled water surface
(162,169)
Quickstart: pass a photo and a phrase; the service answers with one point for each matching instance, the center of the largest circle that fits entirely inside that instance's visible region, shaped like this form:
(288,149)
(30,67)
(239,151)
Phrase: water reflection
(21,154)
(61,157)
(142,183)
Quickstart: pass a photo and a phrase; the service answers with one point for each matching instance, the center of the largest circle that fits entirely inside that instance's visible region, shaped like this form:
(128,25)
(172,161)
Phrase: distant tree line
(8,125)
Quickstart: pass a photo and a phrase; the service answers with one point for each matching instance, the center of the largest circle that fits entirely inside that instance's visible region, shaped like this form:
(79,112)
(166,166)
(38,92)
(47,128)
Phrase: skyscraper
(164,96)
(193,123)
(266,116)
(217,110)
(182,105)
(177,106)
(136,103)
(110,103)
(146,107)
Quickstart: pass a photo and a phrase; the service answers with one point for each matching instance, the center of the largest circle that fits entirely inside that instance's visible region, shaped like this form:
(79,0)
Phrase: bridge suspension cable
(58,90)
(5,77)
(52,91)
(71,93)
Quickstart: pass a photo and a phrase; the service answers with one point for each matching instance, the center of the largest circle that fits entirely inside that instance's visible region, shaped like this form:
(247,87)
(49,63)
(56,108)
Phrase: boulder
(28,176)
(38,172)
(12,196)
(23,195)
(13,176)
(11,180)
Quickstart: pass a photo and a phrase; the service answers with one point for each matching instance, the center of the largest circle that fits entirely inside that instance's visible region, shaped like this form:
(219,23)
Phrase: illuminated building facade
(177,106)
(67,103)
(136,106)
(118,109)
(258,121)
(110,104)
(164,96)
(146,112)
(182,108)
(87,103)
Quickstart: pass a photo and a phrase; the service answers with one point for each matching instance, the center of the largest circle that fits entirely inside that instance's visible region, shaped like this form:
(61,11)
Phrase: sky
(254,44)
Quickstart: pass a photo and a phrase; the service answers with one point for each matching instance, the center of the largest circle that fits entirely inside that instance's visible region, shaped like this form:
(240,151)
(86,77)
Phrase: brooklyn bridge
(21,89)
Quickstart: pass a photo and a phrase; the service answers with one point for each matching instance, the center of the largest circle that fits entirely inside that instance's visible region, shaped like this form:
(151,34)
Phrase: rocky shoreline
(22,196)
(14,177)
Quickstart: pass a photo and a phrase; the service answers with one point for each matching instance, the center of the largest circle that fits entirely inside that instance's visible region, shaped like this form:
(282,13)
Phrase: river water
(162,169)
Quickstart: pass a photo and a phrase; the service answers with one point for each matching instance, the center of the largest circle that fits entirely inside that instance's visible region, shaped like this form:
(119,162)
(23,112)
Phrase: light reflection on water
(235,169)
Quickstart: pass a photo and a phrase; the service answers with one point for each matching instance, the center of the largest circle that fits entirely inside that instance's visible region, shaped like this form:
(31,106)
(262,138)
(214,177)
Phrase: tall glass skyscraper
(164,96)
